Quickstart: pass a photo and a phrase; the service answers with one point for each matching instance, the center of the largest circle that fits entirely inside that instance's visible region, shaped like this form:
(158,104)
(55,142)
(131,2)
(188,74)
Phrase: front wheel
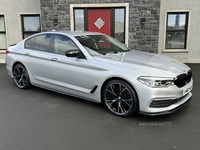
(119,98)
(21,76)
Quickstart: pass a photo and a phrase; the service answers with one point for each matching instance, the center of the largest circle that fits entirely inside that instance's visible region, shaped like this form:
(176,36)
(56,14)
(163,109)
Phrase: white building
(14,16)
(188,10)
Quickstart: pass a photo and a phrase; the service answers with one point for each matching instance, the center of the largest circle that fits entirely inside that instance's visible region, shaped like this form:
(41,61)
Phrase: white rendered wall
(12,10)
(192,52)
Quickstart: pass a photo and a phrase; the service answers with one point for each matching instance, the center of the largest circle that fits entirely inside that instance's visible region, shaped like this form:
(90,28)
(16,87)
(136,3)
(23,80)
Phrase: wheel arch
(118,78)
(15,63)
(18,62)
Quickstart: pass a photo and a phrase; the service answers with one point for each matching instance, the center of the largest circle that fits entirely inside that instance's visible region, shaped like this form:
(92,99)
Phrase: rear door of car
(69,74)
(38,52)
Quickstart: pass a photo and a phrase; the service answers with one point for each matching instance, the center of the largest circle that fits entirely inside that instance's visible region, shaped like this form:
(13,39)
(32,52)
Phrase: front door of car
(68,74)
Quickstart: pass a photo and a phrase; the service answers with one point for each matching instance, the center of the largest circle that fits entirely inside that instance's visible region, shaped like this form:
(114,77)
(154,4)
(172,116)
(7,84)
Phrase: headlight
(156,82)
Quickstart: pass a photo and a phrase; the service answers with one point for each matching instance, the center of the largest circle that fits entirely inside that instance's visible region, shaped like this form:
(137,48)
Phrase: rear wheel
(21,76)
(119,98)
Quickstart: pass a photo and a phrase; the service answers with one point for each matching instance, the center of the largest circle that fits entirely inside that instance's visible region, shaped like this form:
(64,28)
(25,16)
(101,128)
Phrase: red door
(99,20)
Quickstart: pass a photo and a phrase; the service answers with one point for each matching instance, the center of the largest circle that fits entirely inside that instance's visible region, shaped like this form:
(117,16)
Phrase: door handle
(54,59)
(27,54)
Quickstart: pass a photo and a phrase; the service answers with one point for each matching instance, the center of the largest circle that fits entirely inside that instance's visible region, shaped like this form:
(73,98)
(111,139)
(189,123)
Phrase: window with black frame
(120,24)
(2,33)
(176,30)
(30,25)
(79,20)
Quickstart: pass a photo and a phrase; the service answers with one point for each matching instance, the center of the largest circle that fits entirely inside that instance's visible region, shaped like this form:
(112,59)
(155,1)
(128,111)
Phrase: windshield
(101,44)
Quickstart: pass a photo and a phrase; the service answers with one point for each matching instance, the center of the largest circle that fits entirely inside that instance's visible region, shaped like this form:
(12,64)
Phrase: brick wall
(141,37)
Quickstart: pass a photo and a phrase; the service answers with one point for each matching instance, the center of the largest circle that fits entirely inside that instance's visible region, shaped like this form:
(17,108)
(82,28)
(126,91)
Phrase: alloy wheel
(21,76)
(119,98)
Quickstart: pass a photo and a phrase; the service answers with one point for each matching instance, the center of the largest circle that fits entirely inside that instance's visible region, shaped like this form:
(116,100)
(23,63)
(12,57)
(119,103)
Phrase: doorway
(110,20)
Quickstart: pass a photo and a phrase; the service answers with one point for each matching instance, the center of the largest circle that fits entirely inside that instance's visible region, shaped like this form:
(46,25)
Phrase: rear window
(29,43)
(40,42)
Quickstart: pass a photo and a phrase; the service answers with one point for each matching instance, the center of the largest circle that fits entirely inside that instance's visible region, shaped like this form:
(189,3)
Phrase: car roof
(75,33)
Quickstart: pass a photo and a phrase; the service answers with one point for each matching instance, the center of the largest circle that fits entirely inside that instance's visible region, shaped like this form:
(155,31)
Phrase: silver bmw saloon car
(99,68)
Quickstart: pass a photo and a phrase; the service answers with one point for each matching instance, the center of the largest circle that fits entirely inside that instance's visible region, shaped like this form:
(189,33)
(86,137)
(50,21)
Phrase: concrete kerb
(2,61)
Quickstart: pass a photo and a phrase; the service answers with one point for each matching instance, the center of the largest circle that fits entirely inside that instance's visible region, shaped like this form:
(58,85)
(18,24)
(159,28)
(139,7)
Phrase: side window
(62,44)
(3,43)
(42,42)
(29,43)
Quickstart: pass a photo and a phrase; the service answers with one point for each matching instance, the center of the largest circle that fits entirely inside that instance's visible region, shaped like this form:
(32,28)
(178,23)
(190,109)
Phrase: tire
(119,98)
(21,76)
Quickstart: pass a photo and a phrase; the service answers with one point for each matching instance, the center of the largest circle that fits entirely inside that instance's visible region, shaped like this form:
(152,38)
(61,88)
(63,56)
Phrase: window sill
(175,51)
(2,51)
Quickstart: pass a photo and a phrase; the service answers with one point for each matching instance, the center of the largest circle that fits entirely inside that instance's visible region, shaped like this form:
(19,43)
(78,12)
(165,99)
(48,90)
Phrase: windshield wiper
(120,51)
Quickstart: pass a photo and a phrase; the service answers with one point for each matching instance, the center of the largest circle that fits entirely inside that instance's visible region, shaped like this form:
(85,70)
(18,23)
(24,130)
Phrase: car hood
(147,63)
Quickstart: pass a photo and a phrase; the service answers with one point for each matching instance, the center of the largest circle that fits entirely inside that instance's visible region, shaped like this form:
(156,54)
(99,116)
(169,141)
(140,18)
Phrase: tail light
(7,52)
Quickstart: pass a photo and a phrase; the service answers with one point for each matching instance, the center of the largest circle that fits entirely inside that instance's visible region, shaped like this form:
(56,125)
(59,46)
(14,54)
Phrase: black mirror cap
(75,53)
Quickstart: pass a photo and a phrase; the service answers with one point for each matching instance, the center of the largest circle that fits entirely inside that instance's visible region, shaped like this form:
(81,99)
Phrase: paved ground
(38,119)
(2,57)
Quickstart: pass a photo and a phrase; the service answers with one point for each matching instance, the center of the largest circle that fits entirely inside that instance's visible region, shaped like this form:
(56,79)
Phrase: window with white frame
(176,30)
(30,25)
(2,33)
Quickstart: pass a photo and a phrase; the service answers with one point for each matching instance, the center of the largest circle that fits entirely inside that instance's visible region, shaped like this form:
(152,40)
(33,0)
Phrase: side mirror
(75,53)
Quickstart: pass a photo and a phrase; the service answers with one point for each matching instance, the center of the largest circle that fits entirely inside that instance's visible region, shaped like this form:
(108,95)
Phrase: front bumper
(160,101)
(166,112)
